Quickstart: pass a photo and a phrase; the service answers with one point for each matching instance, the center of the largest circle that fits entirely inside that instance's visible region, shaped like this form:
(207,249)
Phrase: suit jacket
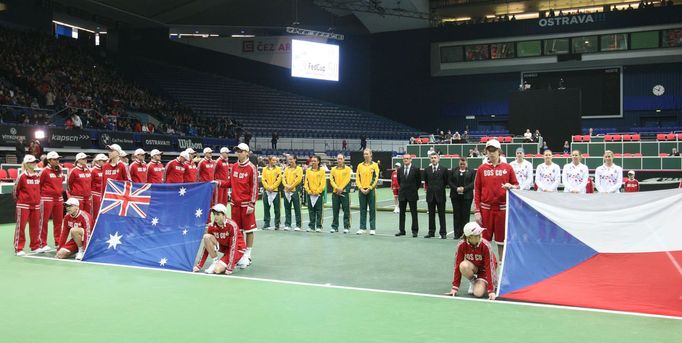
(436,182)
(466,180)
(409,184)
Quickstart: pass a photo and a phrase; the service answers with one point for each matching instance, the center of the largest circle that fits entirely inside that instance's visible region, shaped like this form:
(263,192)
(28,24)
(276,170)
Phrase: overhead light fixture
(39,134)
(243,36)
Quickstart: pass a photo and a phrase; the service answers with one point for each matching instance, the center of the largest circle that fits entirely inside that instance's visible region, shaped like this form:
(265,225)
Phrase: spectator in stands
(363,143)
(527,136)
(567,147)
(344,144)
(77,122)
(590,132)
(536,136)
(465,136)
(474,152)
(273,141)
(20,148)
(247,137)
(49,99)
(456,138)
(432,138)
(448,137)
(441,136)
(544,147)
(674,152)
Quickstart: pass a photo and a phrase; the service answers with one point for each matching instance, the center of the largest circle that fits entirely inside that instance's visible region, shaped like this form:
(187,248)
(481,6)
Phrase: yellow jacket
(315,180)
(367,175)
(292,176)
(271,178)
(340,178)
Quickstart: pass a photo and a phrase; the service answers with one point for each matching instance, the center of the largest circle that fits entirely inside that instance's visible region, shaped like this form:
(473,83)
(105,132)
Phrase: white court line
(560,307)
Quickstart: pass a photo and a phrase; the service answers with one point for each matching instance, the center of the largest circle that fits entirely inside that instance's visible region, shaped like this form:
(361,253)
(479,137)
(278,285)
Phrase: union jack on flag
(131,200)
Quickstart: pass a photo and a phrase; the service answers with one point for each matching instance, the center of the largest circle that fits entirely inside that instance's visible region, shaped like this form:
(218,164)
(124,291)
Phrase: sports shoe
(318,230)
(211,268)
(360,232)
(286,228)
(79,256)
(44,249)
(345,231)
(308,230)
(21,253)
(297,229)
(267,228)
(228,272)
(372,232)
(332,231)
(396,210)
(471,287)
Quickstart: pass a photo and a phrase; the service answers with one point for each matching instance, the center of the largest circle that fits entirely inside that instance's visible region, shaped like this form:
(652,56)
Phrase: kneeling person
(224,236)
(78,224)
(475,261)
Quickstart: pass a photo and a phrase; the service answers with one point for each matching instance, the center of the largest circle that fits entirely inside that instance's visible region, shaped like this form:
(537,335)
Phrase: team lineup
(228,241)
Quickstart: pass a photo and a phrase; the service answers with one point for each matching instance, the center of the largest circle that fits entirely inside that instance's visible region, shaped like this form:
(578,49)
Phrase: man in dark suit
(461,194)
(435,180)
(409,181)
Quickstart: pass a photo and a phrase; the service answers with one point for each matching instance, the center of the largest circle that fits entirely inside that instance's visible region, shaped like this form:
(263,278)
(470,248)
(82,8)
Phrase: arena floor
(301,287)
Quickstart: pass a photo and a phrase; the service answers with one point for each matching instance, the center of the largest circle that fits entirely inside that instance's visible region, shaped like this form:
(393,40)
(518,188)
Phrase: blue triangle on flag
(536,248)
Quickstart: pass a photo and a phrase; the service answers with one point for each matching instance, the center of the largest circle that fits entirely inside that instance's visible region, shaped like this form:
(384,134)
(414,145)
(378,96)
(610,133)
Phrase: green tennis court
(301,287)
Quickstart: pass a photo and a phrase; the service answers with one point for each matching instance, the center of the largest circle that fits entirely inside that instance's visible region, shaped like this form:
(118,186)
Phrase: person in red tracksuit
(222,174)
(493,179)
(475,260)
(51,201)
(114,169)
(631,184)
(175,169)
(138,168)
(79,183)
(395,187)
(78,224)
(224,236)
(244,183)
(96,174)
(589,189)
(26,192)
(155,169)
(206,167)
(191,166)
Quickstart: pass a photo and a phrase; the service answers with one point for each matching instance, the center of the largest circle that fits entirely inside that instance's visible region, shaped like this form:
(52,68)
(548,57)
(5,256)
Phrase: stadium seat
(663,154)
(608,138)
(636,137)
(679,136)
(12,172)
(586,155)
(660,136)
(577,138)
(618,155)
(507,139)
(670,137)
(425,140)
(4,176)
(484,139)
(587,138)
(637,154)
(617,138)
(627,138)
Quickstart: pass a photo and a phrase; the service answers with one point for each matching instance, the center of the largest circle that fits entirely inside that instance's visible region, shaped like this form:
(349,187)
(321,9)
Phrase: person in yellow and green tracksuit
(314,184)
(339,178)
(367,176)
(271,180)
(293,175)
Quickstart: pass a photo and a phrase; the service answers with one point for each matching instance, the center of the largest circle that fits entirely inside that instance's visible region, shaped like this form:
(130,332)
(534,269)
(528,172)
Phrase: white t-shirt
(547,177)
(524,173)
(575,177)
(608,180)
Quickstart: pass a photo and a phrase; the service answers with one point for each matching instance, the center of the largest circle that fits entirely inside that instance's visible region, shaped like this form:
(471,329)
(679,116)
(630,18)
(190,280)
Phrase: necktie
(407,170)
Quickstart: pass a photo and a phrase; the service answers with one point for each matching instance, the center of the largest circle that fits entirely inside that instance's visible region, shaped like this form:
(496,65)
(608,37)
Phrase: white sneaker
(471,288)
(297,229)
(286,228)
(243,263)
(79,256)
(44,249)
(318,230)
(267,228)
(332,231)
(360,232)
(372,232)
(308,230)
(211,268)
(397,210)
(345,231)
(21,253)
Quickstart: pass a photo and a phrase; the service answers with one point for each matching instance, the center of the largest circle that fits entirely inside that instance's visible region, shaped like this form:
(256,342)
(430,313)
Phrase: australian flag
(150,225)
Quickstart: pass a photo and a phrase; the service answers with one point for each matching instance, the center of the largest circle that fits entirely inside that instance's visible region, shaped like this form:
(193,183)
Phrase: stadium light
(39,134)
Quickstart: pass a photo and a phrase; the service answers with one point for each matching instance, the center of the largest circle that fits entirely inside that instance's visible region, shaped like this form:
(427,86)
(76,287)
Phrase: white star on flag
(163,262)
(155,221)
(182,191)
(184,232)
(198,212)
(114,240)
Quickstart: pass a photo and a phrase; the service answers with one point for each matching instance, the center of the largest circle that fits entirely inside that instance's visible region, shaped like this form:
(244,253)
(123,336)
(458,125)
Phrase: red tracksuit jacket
(244,183)
(230,239)
(175,172)
(117,172)
(155,172)
(190,172)
(138,172)
(51,183)
(80,183)
(27,189)
(206,170)
(488,191)
(482,257)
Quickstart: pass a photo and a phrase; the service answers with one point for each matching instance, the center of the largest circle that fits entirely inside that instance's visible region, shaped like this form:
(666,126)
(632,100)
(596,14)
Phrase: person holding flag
(367,176)
(608,178)
(523,170)
(26,193)
(475,260)
(191,166)
(96,186)
(206,167)
(114,169)
(222,175)
(155,169)
(51,200)
(222,236)
(78,224)
(339,178)
(271,180)
(244,184)
(575,175)
(547,174)
(79,183)
(293,175)
(315,182)
(138,168)
(175,169)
